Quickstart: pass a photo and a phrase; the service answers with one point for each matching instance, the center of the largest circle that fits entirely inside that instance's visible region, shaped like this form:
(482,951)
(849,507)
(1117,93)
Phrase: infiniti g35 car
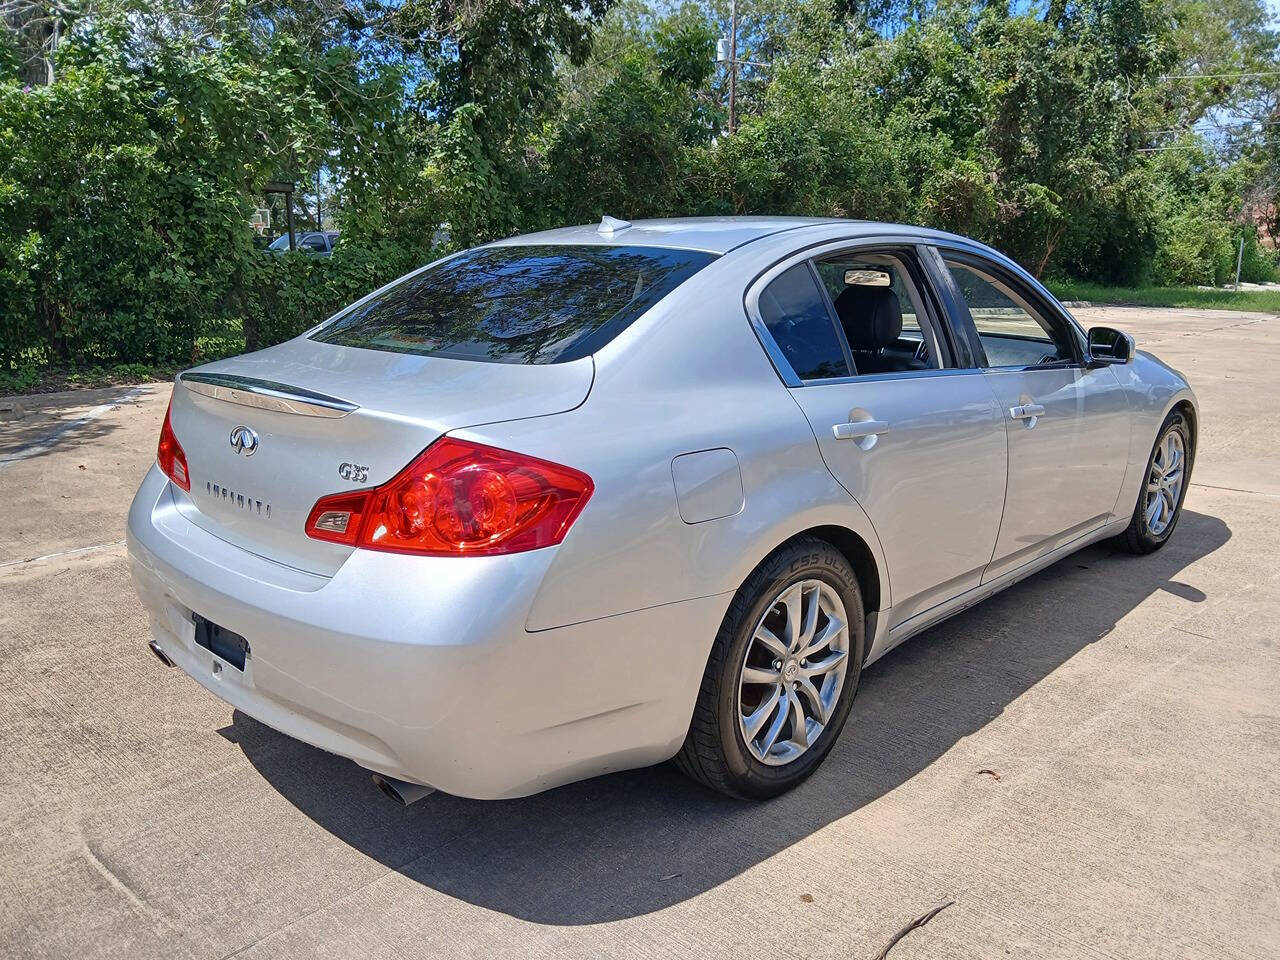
(599,497)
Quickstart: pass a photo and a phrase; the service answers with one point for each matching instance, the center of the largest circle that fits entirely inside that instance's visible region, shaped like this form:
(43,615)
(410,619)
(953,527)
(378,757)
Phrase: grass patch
(34,373)
(31,378)
(1261,301)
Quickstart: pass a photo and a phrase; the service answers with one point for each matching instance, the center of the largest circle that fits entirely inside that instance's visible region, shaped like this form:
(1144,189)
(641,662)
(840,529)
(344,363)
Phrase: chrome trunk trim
(265,395)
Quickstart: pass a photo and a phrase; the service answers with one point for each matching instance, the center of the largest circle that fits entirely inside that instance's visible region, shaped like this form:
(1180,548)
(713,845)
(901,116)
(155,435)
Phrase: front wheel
(782,673)
(1167,478)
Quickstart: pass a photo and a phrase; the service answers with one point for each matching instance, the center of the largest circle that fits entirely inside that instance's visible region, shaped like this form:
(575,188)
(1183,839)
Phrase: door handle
(1026,411)
(859,428)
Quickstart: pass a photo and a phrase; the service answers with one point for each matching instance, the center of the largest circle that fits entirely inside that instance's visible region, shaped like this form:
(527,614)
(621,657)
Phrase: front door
(918,443)
(1068,423)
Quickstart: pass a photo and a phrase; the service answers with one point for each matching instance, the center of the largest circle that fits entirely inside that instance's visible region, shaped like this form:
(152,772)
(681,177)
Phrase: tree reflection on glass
(518,304)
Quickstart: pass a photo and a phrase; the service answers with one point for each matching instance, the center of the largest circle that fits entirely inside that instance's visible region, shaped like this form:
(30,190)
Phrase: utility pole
(733,65)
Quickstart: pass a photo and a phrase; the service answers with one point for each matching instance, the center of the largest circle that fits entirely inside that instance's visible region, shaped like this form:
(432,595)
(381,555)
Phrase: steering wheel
(922,352)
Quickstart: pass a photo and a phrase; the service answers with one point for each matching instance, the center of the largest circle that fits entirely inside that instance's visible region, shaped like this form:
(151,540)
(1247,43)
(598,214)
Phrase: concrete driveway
(1088,765)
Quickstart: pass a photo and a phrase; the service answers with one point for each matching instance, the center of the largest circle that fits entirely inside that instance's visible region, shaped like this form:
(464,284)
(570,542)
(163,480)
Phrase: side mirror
(1108,345)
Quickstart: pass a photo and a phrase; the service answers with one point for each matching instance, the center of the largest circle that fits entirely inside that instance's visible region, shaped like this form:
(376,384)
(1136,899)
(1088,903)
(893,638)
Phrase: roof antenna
(611,225)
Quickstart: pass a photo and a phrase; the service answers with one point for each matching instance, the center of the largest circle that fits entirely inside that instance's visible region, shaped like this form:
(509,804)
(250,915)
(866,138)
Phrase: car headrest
(871,316)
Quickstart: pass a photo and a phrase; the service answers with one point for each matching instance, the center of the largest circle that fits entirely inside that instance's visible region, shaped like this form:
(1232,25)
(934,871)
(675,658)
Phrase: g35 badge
(353,472)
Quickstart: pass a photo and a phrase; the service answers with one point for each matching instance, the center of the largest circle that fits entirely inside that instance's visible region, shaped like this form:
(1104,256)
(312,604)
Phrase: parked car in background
(594,498)
(318,243)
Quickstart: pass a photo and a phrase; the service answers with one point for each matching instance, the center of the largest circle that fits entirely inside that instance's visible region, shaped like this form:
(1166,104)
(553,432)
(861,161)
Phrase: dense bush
(126,185)
(285,295)
(126,189)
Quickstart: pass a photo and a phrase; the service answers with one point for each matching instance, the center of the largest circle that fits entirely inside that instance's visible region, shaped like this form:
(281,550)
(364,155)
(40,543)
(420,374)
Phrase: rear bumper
(421,667)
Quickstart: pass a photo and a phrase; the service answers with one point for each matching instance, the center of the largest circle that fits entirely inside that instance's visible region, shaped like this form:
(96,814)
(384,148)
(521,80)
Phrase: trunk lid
(327,418)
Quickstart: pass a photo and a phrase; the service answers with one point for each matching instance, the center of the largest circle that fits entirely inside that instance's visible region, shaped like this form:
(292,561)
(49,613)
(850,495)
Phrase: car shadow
(635,842)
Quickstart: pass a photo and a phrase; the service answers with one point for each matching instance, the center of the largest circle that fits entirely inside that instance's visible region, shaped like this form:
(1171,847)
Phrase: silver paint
(450,672)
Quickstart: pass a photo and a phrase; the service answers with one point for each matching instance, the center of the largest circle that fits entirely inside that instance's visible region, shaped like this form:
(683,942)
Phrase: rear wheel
(782,673)
(1160,501)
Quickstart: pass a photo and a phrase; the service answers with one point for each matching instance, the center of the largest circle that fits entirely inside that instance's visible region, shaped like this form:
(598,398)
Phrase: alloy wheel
(1164,484)
(793,672)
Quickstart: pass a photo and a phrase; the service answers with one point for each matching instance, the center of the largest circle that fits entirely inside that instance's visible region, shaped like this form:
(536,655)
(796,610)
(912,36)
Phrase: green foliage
(285,295)
(20,379)
(126,185)
(623,150)
(1262,301)
(1257,264)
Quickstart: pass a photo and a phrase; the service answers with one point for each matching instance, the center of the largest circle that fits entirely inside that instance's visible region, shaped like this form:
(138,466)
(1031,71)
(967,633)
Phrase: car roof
(711,234)
(721,234)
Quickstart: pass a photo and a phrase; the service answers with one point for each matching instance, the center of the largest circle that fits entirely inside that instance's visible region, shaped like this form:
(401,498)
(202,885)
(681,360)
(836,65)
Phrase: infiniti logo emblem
(244,441)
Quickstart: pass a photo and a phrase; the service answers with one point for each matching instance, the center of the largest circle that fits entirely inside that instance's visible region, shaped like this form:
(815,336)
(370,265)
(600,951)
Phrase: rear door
(1068,423)
(914,436)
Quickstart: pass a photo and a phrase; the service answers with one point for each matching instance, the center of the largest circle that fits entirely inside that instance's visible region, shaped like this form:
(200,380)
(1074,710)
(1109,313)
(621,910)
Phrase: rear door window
(517,304)
(794,310)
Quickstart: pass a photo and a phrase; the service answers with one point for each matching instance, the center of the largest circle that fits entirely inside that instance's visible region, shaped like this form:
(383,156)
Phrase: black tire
(1137,537)
(714,752)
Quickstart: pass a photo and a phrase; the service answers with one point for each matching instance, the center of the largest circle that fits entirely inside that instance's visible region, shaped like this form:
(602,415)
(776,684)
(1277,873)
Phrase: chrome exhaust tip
(401,791)
(160,654)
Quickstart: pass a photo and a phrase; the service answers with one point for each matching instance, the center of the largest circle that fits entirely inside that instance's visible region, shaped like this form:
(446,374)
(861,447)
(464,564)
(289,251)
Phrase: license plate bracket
(221,642)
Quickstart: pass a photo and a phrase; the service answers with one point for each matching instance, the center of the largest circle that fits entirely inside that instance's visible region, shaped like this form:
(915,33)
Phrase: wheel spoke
(810,623)
(829,633)
(770,641)
(799,729)
(760,675)
(1153,510)
(757,719)
(793,600)
(775,728)
(818,668)
(812,694)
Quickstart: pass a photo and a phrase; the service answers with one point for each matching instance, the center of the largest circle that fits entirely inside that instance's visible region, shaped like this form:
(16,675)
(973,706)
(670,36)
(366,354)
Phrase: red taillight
(458,498)
(170,456)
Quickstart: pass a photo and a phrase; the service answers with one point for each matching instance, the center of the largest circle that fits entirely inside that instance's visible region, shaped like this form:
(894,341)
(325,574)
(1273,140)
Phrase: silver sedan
(599,497)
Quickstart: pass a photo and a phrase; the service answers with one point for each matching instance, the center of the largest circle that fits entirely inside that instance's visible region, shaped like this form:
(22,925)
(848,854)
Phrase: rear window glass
(517,304)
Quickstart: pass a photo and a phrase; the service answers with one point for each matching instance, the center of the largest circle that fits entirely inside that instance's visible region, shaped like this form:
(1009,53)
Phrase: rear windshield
(517,304)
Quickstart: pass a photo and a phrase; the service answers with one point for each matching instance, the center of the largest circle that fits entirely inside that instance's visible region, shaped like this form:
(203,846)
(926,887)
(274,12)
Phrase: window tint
(315,241)
(795,312)
(1012,333)
(517,304)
